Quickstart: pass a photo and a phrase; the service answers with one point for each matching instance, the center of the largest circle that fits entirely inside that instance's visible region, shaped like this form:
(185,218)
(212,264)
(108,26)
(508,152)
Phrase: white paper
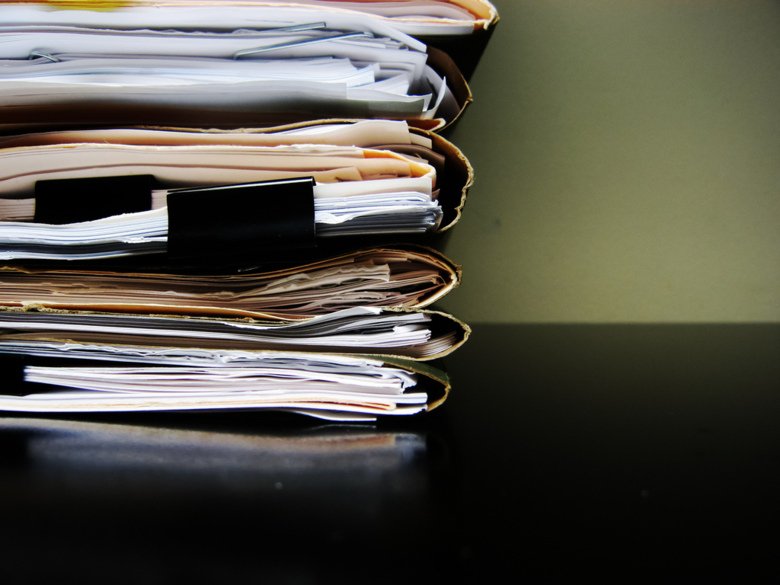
(326,386)
(358,329)
(320,70)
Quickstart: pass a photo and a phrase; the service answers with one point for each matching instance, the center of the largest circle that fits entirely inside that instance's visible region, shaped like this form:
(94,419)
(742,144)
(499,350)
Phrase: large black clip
(240,221)
(59,201)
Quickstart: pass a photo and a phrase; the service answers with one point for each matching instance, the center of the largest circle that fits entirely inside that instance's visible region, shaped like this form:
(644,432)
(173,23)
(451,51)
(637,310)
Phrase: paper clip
(299,27)
(36,54)
(258,50)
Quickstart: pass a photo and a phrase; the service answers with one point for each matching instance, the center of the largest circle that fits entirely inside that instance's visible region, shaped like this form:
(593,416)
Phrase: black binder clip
(59,201)
(243,221)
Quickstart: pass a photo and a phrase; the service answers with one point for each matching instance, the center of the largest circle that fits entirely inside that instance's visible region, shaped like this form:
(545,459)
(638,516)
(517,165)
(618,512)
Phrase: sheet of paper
(362,133)
(200,165)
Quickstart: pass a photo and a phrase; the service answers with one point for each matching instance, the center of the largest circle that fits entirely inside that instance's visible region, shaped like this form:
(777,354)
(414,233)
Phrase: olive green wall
(627,159)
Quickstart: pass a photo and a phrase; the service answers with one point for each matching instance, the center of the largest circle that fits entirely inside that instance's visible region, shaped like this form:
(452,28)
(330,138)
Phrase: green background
(627,160)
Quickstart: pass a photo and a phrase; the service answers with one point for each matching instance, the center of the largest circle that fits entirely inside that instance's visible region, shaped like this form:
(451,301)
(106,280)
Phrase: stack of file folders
(231,205)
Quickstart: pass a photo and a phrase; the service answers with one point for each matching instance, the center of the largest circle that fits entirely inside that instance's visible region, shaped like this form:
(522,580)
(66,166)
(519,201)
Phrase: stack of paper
(402,277)
(247,63)
(389,180)
(343,338)
(205,205)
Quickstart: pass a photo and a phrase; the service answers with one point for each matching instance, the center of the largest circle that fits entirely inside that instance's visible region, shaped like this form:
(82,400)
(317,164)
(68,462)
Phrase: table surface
(638,452)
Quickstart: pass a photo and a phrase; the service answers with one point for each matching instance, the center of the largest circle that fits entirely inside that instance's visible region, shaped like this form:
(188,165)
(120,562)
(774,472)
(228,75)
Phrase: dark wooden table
(629,453)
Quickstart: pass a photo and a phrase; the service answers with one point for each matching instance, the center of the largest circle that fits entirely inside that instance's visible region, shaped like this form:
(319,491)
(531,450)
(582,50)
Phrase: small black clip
(59,201)
(240,221)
